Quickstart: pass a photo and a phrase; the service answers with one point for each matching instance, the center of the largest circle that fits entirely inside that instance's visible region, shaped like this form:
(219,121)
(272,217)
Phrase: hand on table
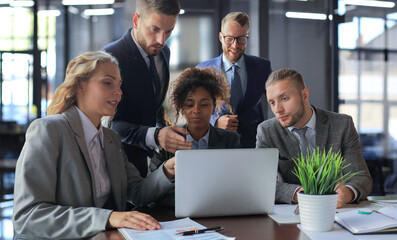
(345,195)
(132,219)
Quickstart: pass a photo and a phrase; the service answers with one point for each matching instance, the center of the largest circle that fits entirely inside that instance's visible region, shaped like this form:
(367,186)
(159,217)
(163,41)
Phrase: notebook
(225,182)
(366,220)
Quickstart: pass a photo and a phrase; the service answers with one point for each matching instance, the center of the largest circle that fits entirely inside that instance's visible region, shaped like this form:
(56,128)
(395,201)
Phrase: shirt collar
(204,139)
(227,64)
(311,124)
(90,131)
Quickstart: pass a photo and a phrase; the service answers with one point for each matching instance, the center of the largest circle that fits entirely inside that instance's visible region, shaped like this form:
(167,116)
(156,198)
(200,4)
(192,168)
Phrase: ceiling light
(182,11)
(49,13)
(370,3)
(86,2)
(305,15)
(21,3)
(99,12)
(5,2)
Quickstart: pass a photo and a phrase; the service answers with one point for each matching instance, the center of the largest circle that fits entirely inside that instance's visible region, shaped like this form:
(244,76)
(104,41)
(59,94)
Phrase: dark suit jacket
(332,130)
(218,139)
(55,196)
(137,110)
(250,112)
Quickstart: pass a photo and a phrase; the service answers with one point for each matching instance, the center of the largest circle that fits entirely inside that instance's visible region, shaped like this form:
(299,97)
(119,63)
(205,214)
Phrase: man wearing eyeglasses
(246,75)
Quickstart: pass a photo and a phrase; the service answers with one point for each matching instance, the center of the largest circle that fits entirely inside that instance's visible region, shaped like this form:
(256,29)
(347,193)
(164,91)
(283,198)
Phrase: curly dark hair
(213,80)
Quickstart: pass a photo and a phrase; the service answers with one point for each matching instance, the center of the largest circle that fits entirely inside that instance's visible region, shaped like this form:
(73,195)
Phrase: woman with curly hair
(195,95)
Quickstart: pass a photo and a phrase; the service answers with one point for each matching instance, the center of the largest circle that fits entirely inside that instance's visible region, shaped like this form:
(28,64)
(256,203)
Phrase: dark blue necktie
(156,79)
(236,91)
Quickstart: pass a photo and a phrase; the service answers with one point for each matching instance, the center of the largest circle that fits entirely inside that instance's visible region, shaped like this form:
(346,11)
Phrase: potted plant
(320,174)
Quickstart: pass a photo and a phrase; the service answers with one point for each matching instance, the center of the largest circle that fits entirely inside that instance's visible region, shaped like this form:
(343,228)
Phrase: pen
(296,212)
(201,231)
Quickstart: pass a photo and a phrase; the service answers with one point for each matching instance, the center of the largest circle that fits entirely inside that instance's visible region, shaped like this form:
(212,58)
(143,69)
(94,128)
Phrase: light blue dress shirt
(202,143)
(242,71)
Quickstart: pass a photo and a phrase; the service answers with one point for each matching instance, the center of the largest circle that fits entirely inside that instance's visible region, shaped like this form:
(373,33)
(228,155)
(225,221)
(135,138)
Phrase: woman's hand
(132,219)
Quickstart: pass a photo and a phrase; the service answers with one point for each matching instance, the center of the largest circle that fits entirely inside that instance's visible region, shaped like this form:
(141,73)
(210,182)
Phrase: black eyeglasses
(230,39)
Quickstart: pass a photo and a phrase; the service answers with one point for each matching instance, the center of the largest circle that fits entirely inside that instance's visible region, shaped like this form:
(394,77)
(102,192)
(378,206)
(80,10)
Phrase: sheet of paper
(362,204)
(169,232)
(285,213)
(342,234)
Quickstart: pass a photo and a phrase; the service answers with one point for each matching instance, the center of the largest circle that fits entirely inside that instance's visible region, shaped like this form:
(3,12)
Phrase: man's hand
(345,195)
(169,168)
(170,140)
(132,219)
(229,122)
(295,198)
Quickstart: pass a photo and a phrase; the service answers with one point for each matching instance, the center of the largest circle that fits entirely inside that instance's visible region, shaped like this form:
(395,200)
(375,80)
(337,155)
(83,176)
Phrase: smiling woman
(72,178)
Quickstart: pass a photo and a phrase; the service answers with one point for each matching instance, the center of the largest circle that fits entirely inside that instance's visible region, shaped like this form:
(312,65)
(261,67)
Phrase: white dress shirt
(94,140)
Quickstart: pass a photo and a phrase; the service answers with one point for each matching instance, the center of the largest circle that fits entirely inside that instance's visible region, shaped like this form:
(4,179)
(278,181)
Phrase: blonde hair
(286,74)
(79,69)
(240,18)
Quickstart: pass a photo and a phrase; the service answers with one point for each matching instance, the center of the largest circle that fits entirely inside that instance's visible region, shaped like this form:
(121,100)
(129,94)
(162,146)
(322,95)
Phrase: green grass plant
(321,172)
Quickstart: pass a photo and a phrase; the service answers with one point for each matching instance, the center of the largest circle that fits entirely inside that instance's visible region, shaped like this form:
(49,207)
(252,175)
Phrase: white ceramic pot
(317,212)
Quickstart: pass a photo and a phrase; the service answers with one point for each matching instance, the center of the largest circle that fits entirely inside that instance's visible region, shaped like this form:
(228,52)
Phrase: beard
(144,45)
(295,117)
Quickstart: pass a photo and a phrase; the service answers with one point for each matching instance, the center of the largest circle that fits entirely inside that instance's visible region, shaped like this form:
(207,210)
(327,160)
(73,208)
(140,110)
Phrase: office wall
(304,46)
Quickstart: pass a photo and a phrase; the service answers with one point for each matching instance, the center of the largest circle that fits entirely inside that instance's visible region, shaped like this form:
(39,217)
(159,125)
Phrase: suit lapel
(213,138)
(73,118)
(322,128)
(139,65)
(254,84)
(167,76)
(114,169)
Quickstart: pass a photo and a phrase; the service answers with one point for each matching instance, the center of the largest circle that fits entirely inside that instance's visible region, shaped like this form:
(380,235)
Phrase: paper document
(285,213)
(342,234)
(169,231)
(367,220)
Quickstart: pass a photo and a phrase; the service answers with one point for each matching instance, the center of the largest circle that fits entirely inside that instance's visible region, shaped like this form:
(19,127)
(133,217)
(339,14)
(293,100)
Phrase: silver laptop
(225,182)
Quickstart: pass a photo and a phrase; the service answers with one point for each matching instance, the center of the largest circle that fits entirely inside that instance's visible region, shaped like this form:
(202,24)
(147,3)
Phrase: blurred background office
(347,53)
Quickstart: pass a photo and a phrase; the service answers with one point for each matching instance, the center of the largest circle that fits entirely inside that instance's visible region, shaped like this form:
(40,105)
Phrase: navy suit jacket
(250,113)
(137,110)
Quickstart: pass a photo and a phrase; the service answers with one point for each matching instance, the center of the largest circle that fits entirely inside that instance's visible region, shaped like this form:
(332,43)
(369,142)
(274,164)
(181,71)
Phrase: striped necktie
(303,143)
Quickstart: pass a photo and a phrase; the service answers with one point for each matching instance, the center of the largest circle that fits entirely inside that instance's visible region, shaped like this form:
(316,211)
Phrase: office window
(16,62)
(368,84)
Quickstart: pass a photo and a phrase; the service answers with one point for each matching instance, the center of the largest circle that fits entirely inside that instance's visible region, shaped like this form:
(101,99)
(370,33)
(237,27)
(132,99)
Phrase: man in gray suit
(289,100)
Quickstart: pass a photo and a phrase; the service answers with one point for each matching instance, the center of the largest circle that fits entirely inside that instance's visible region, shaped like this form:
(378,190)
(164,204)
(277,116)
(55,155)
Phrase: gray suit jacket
(54,194)
(218,139)
(332,130)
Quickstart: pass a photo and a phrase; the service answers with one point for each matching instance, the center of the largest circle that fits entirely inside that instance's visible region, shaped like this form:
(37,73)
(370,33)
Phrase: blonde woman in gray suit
(72,178)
